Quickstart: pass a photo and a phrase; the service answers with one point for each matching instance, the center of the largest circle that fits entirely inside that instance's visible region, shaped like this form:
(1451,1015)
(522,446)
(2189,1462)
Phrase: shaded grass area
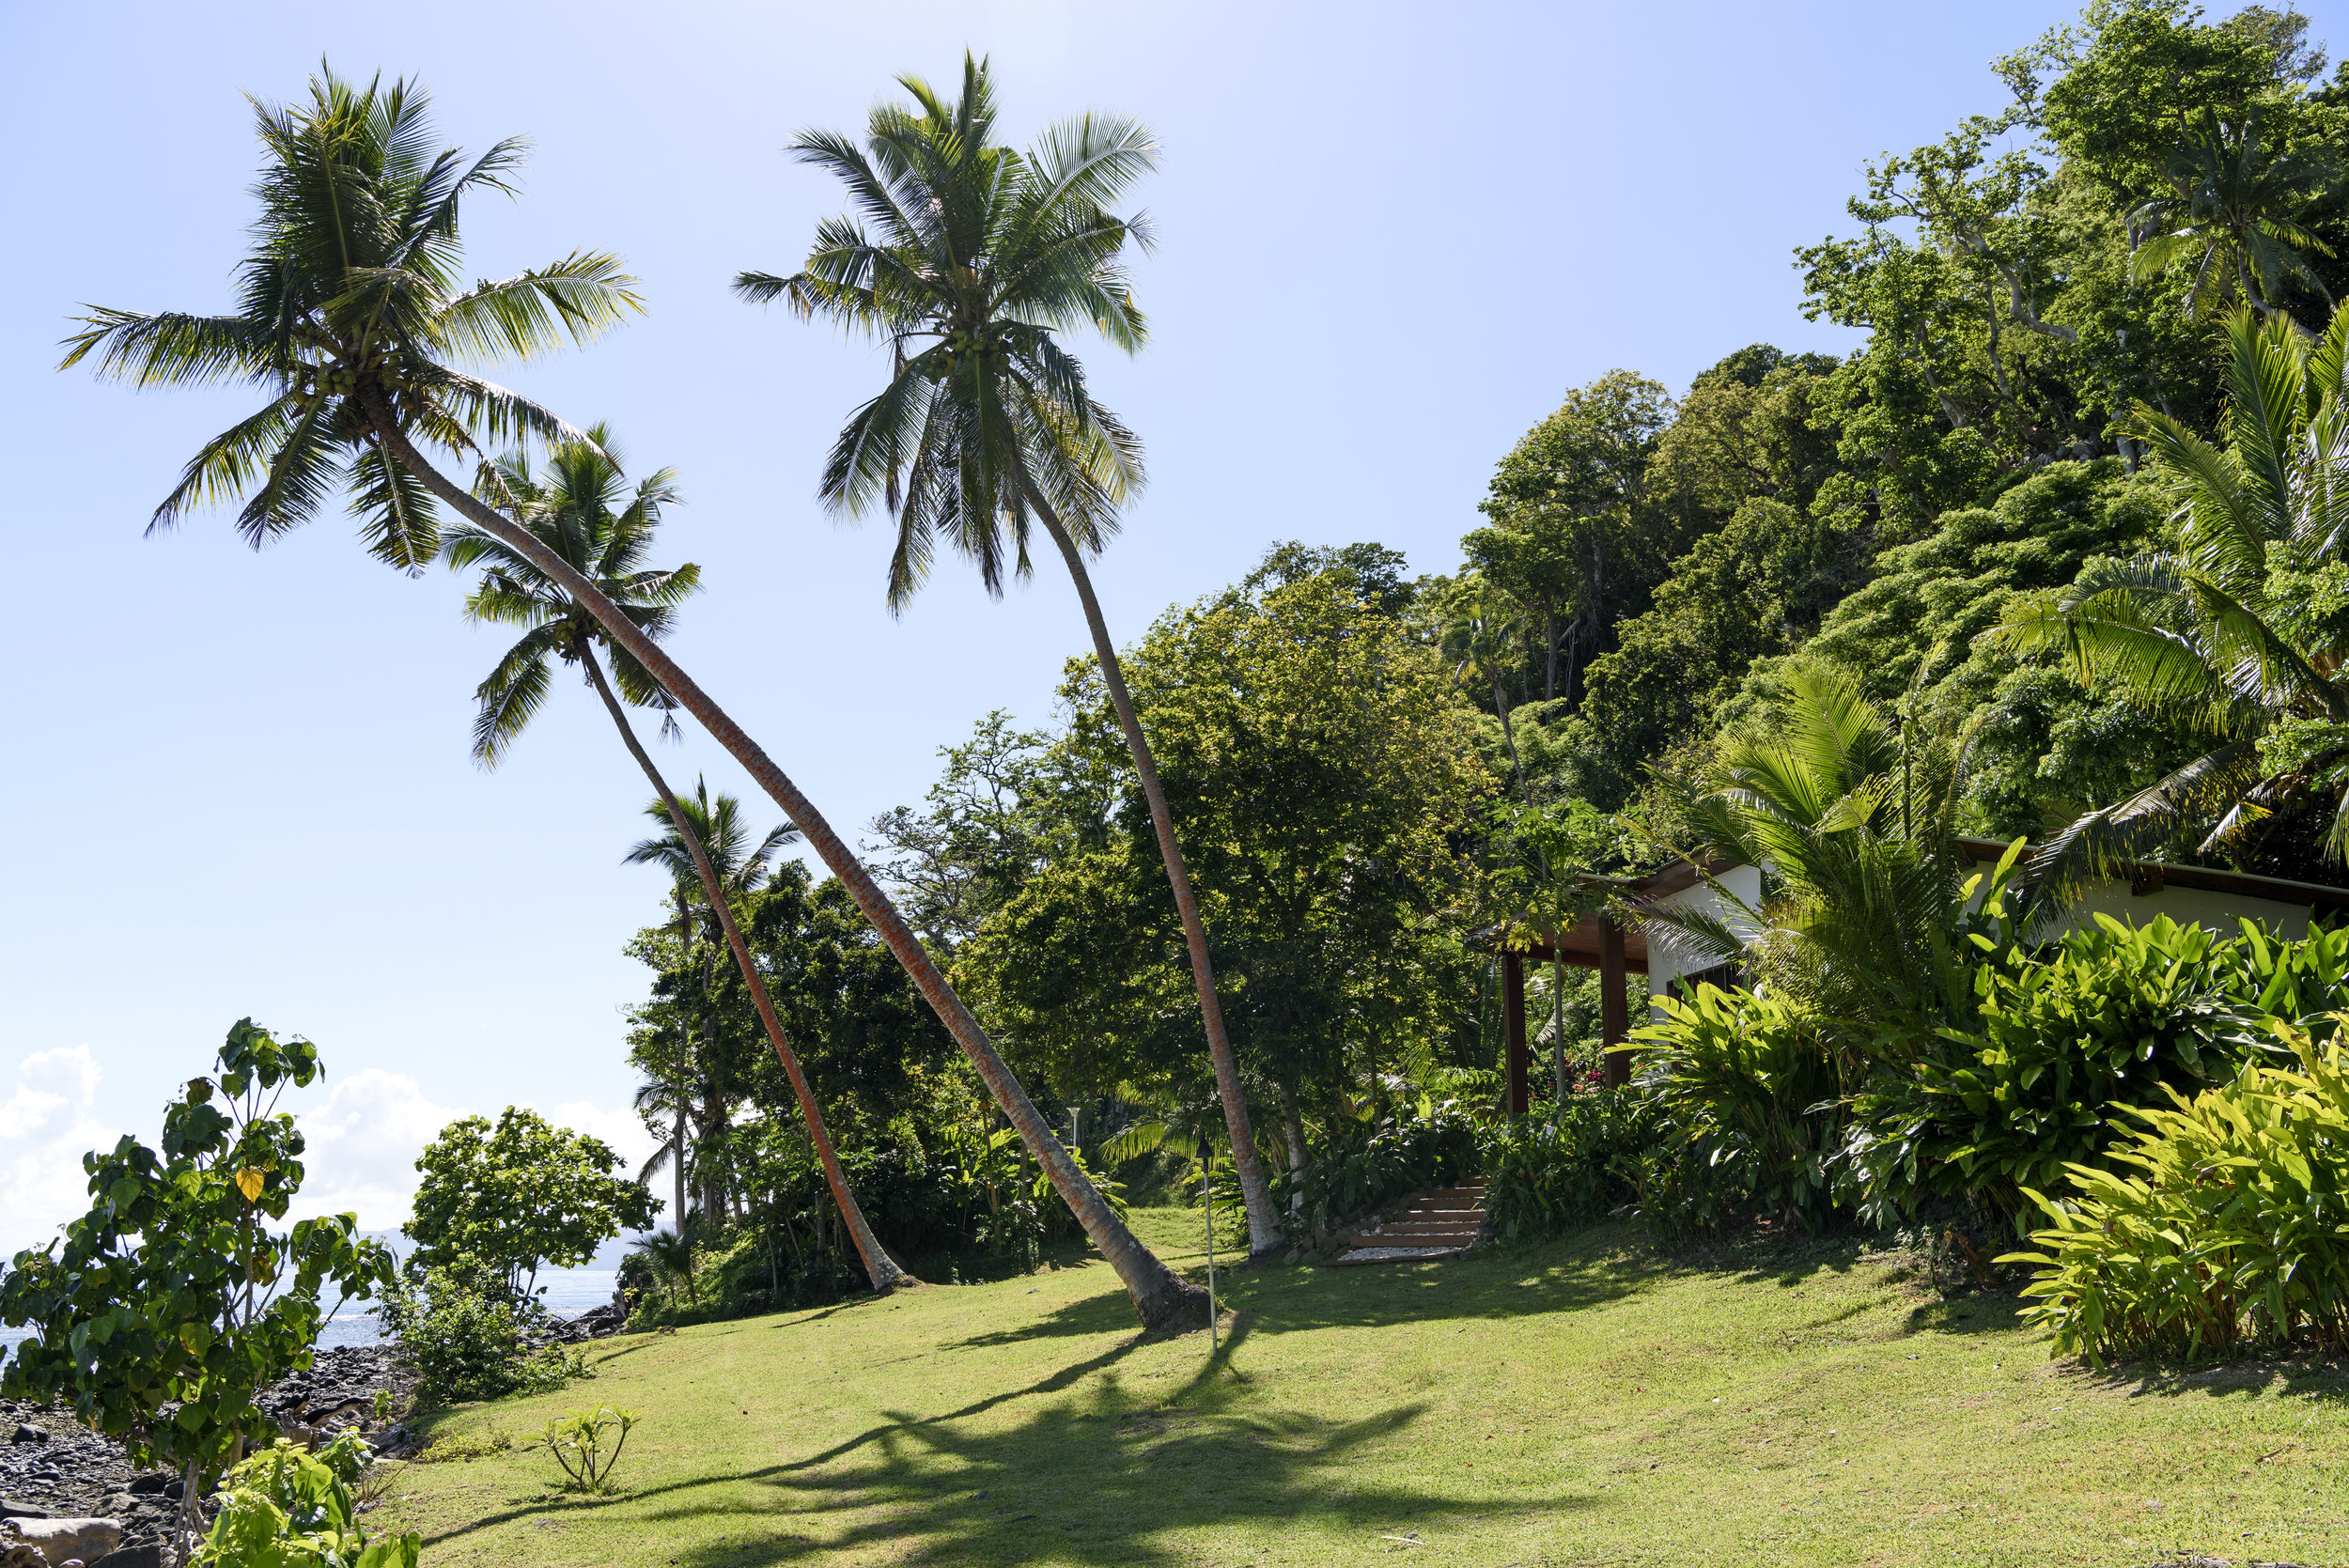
(1581,1403)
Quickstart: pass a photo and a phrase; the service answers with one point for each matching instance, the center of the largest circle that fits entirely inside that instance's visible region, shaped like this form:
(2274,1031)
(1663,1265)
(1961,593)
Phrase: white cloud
(622,1128)
(363,1145)
(46,1125)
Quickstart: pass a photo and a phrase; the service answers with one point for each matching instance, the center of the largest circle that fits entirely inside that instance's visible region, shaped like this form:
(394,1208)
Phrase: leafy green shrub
(1380,1158)
(467,1338)
(2232,1233)
(285,1508)
(1747,1099)
(505,1200)
(178,1295)
(2116,1016)
(1546,1174)
(578,1442)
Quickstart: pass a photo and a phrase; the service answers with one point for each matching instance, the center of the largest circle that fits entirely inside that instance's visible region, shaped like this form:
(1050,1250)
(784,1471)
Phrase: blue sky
(1390,237)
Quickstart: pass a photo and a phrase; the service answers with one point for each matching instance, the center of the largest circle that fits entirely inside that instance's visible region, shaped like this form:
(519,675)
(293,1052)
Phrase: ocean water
(569,1292)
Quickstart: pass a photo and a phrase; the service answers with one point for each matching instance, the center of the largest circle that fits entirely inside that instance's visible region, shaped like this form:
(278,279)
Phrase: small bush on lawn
(2224,1226)
(587,1444)
(460,1446)
(467,1339)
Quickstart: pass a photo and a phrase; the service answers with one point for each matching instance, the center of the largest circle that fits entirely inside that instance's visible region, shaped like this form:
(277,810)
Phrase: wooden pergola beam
(1614,1022)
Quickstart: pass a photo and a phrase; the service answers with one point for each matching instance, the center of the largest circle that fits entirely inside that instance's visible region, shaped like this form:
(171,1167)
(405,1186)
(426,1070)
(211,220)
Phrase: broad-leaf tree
(581,510)
(972,258)
(174,1301)
(1481,639)
(505,1201)
(352,317)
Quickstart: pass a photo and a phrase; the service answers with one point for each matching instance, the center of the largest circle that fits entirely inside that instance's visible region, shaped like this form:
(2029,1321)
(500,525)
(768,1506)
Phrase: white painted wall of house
(2217,912)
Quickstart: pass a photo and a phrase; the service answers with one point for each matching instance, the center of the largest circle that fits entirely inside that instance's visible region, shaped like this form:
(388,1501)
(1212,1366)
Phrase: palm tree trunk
(879,1265)
(1264,1224)
(1293,1131)
(1560,1088)
(676,1162)
(1508,731)
(1160,1298)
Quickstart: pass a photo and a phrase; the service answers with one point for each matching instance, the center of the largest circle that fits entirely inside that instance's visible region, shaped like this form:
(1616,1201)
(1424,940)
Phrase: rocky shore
(53,1467)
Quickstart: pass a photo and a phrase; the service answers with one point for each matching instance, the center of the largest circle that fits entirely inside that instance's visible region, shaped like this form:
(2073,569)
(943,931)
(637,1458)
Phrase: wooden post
(1513,1031)
(1614,1022)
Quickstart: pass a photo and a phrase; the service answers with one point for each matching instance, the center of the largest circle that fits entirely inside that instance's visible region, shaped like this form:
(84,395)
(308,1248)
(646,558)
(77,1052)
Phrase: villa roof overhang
(2146,876)
(1580,944)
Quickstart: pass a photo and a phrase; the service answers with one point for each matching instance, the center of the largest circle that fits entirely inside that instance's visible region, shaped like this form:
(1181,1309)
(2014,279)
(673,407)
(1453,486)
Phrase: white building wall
(2217,912)
(1669,959)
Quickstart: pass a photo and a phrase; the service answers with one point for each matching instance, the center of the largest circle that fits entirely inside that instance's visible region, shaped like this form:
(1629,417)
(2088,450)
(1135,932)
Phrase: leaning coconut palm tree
(2237,634)
(582,510)
(352,317)
(715,831)
(977,256)
(652,1098)
(2225,212)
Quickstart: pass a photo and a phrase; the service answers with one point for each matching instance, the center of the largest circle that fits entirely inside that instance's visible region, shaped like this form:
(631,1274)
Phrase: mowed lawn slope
(1587,1402)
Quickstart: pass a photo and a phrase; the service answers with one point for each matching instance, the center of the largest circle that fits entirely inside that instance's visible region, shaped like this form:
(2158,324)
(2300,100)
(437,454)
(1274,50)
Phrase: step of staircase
(1441,1223)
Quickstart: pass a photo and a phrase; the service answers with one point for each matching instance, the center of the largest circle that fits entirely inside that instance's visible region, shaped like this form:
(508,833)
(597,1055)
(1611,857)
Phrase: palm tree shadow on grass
(1117,1480)
(1101,1477)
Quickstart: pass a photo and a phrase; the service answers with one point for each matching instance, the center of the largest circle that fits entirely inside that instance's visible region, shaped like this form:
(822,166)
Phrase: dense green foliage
(2114,1017)
(467,1337)
(1545,1174)
(2220,1225)
(287,1508)
(501,1202)
(2032,563)
(1361,1166)
(172,1302)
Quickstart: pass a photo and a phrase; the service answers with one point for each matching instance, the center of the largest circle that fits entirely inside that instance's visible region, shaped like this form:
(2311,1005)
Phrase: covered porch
(1615,948)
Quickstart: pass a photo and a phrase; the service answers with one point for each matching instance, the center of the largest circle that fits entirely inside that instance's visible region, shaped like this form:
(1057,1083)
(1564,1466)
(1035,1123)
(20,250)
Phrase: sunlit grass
(1587,1401)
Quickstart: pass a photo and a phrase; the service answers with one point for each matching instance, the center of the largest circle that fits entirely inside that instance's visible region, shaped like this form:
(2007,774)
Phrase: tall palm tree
(582,510)
(977,256)
(352,317)
(2230,633)
(2226,210)
(716,830)
(652,1097)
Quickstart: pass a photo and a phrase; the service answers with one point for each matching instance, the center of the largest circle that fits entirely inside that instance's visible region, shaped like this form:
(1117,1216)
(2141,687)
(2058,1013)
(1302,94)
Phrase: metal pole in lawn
(1207,1206)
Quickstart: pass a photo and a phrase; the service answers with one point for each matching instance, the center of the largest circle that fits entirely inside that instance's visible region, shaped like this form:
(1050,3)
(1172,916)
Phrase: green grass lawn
(1586,1402)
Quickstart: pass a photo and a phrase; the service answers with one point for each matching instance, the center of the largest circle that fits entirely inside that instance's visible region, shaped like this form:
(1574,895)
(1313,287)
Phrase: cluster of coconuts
(962,346)
(340,379)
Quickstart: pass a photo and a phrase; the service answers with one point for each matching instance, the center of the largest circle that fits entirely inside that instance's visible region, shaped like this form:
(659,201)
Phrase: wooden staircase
(1442,1224)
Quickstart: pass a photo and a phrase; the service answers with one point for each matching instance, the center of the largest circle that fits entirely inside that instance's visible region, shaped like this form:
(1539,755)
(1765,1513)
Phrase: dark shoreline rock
(70,1473)
(56,1468)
